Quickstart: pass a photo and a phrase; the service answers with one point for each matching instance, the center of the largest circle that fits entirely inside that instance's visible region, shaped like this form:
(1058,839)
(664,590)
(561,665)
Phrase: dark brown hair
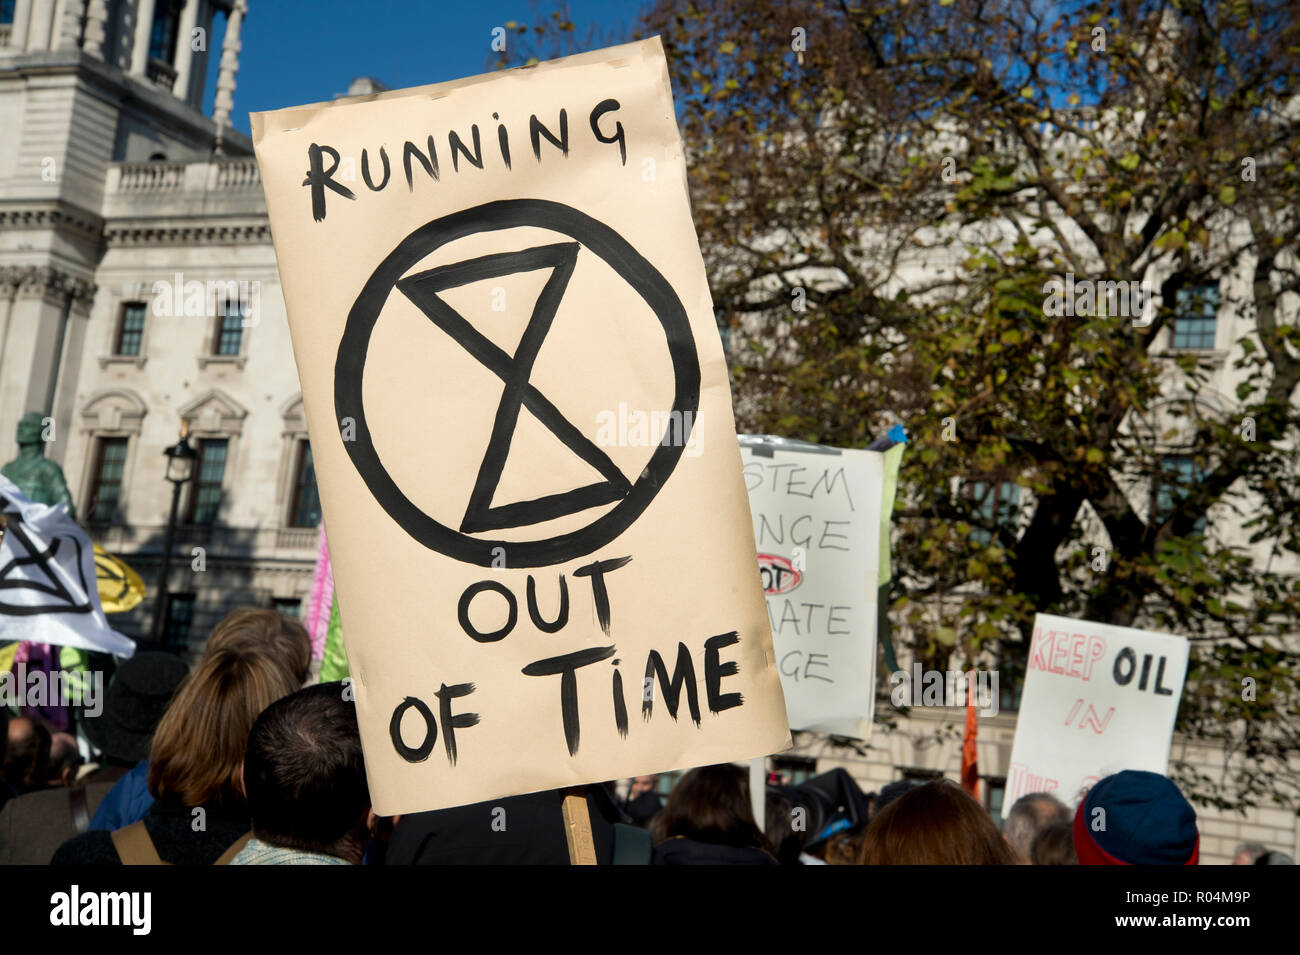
(198,748)
(1054,845)
(711,804)
(266,630)
(935,824)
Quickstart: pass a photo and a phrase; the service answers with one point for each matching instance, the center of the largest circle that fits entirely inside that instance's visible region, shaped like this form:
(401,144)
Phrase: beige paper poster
(522,429)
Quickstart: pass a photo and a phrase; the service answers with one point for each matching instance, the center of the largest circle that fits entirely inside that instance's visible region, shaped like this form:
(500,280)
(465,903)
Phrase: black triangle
(422,289)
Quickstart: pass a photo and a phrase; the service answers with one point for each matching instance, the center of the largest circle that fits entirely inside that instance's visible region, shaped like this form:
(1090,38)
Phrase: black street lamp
(180,468)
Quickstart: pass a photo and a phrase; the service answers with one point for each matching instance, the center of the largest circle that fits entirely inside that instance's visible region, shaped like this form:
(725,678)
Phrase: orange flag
(970,777)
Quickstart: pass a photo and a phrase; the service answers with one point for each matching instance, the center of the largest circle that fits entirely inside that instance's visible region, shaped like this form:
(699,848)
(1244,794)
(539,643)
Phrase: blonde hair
(267,630)
(198,748)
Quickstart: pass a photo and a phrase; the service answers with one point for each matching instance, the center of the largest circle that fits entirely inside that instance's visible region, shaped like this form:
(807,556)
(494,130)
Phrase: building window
(7,11)
(289,606)
(992,504)
(306,501)
(130,330)
(1178,474)
(1009,661)
(205,501)
(110,462)
(919,777)
(995,789)
(166,24)
(230,333)
(1196,318)
(180,617)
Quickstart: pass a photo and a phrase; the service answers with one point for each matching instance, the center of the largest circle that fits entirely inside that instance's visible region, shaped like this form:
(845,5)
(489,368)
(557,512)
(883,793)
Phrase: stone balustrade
(197,188)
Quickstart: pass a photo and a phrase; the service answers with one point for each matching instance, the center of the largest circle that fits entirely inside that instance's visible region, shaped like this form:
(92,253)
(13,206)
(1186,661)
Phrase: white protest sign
(1097,699)
(817,527)
(522,429)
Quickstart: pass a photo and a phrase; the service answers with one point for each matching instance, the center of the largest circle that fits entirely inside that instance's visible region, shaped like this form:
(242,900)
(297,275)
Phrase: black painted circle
(413,754)
(467,598)
(599,238)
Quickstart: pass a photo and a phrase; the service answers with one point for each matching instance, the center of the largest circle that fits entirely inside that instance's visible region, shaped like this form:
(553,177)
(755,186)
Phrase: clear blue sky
(296,52)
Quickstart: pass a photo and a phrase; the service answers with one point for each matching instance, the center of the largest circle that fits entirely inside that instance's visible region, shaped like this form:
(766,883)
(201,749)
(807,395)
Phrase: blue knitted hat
(1147,821)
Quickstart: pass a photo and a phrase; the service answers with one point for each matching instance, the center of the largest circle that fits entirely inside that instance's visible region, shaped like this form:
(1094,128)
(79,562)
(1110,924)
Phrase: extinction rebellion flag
(48,592)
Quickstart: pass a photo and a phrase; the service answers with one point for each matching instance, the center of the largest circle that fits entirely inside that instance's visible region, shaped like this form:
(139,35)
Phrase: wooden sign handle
(577,829)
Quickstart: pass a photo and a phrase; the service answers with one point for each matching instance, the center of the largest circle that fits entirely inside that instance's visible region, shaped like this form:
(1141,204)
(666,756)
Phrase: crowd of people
(236,761)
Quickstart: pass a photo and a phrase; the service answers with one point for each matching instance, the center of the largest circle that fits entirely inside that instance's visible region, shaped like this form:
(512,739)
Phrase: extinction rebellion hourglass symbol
(424,290)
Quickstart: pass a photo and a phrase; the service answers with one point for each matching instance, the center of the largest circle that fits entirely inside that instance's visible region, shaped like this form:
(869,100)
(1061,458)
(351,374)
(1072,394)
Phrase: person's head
(27,758)
(1029,815)
(842,848)
(1136,818)
(892,791)
(785,838)
(711,804)
(935,824)
(1054,845)
(641,784)
(65,760)
(267,630)
(1248,853)
(198,749)
(133,706)
(304,776)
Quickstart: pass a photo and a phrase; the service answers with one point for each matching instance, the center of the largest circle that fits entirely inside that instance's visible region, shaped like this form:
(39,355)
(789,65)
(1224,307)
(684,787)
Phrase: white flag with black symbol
(48,592)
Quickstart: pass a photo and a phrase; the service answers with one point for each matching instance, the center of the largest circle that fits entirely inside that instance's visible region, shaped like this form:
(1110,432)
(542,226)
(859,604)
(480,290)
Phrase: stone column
(185,49)
(68,28)
(42,22)
(38,316)
(22,17)
(143,25)
(10,277)
(225,98)
(96,29)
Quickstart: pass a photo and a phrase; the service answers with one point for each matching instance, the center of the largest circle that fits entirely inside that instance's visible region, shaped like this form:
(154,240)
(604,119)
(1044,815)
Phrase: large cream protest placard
(817,525)
(1097,699)
(523,433)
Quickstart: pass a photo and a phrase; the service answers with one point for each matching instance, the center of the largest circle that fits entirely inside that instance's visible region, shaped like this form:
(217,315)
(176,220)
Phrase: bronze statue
(39,478)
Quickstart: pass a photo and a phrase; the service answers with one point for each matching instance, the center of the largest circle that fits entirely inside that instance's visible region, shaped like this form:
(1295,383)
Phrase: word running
(321,177)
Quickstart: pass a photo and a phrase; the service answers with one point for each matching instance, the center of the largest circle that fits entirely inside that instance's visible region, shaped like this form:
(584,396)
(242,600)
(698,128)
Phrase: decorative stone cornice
(51,284)
(198,233)
(49,218)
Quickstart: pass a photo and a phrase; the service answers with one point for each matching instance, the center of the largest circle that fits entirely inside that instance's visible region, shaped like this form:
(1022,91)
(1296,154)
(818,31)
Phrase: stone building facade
(139,296)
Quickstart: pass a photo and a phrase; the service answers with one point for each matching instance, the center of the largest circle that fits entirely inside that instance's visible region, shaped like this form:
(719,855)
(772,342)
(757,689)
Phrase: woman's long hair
(711,804)
(198,748)
(935,824)
(265,629)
